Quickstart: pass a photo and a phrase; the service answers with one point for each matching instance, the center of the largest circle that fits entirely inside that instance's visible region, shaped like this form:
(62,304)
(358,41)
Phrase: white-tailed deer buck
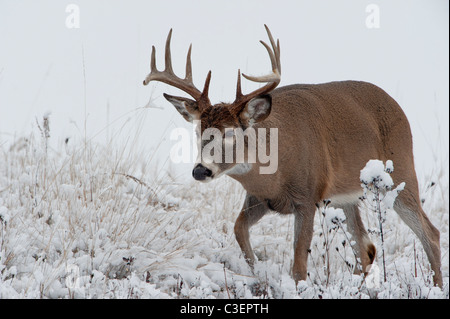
(326,134)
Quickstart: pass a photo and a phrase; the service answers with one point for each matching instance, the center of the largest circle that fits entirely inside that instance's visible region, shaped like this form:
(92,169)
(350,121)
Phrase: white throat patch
(239,169)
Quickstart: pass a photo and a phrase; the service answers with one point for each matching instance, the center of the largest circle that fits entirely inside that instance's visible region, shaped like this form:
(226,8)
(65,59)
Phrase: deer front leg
(303,232)
(252,211)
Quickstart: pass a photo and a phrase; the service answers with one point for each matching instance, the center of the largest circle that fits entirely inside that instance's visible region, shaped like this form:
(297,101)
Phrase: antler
(168,76)
(272,79)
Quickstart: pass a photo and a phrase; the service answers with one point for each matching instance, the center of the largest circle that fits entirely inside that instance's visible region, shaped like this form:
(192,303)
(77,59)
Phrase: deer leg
(252,211)
(364,249)
(410,211)
(303,232)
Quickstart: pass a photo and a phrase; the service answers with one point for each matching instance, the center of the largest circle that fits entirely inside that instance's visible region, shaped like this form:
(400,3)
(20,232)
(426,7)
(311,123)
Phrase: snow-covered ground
(89,221)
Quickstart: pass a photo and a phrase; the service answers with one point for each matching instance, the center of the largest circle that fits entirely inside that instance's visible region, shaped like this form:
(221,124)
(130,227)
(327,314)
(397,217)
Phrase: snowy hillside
(88,221)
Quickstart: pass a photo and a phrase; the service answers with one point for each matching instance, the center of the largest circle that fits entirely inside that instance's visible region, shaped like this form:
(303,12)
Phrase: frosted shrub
(377,184)
(335,237)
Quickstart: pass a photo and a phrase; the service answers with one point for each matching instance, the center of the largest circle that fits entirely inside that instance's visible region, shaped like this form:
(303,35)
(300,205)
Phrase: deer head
(222,118)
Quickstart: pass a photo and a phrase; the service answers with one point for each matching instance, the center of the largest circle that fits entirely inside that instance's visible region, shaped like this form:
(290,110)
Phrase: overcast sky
(75,73)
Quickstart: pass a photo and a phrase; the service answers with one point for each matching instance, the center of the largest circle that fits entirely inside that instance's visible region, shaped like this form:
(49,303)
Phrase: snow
(376,172)
(84,221)
(376,178)
(334,217)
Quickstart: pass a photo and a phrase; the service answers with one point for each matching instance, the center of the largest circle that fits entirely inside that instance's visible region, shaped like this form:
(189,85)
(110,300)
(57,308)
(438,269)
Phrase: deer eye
(229,133)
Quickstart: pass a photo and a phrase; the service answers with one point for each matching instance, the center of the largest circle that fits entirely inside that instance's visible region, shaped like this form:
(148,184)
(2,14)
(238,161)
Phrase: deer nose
(200,172)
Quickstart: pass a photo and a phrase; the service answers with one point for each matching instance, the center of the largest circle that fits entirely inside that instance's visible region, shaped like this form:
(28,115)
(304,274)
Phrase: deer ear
(186,107)
(256,110)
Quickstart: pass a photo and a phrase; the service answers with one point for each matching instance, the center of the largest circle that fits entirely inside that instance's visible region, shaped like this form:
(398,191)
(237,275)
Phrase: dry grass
(132,231)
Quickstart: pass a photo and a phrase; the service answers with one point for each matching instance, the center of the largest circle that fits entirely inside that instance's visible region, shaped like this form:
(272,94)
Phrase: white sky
(41,61)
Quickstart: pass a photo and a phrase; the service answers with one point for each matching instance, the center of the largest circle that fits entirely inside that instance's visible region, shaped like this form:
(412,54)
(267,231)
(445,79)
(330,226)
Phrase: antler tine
(272,79)
(167,56)
(238,86)
(277,55)
(206,86)
(274,55)
(276,48)
(189,65)
(153,69)
(168,76)
(153,60)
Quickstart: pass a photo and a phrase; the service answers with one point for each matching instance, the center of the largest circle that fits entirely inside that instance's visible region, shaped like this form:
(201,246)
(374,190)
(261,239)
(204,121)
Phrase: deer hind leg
(252,211)
(303,233)
(364,249)
(409,209)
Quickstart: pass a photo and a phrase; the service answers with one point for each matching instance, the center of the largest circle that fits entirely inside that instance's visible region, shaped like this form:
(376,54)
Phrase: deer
(326,134)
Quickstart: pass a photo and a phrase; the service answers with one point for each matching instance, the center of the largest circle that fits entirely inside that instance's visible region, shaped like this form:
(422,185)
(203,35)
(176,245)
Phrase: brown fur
(327,133)
(218,116)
